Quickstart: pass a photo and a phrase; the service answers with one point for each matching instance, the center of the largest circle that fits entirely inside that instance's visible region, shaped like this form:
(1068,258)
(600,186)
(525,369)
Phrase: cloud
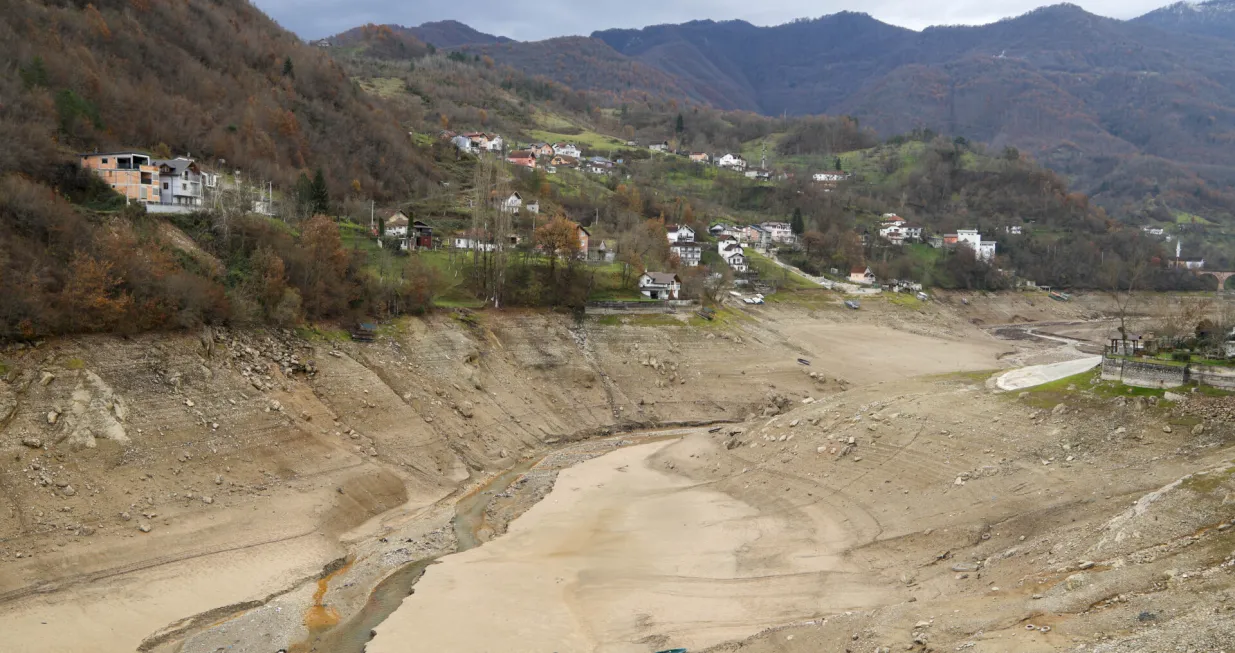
(539,19)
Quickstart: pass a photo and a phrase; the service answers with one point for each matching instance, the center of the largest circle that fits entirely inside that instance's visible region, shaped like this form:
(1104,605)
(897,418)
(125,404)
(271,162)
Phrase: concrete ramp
(1028,377)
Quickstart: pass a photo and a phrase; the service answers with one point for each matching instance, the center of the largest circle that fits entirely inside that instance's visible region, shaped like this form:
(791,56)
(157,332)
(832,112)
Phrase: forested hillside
(1140,114)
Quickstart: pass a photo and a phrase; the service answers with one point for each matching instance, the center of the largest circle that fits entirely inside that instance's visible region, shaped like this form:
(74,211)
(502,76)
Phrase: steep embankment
(158,477)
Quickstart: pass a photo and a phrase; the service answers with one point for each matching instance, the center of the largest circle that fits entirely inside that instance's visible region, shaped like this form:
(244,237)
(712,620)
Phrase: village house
(533,207)
(659,147)
(567,149)
(522,158)
(599,165)
(984,250)
(133,175)
(830,177)
(862,275)
(780,232)
(732,162)
(512,204)
(699,157)
(913,232)
(734,255)
(473,239)
(565,161)
(605,251)
(660,285)
(1014,230)
(688,252)
(396,226)
(422,235)
(759,174)
(679,233)
(182,184)
(542,149)
(892,233)
(1154,231)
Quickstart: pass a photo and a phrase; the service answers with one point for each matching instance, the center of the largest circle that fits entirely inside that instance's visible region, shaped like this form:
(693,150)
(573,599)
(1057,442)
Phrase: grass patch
(904,299)
(384,87)
(587,140)
(722,319)
(810,298)
(75,364)
(1207,483)
(4,369)
(769,271)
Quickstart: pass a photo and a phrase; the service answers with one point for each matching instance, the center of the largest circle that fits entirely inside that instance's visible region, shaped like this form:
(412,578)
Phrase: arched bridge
(1220,276)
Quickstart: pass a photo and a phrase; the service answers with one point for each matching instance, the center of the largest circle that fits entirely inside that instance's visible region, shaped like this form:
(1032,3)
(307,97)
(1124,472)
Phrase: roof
(114,153)
(397,220)
(663,278)
(732,247)
(677,227)
(520,154)
(859,270)
(178,164)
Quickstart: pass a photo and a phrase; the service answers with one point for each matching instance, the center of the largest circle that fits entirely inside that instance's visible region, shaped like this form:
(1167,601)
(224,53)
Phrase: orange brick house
(131,174)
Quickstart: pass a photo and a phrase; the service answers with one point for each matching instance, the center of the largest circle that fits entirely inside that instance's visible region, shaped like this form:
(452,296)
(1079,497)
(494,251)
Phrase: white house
(688,252)
(660,285)
(759,174)
(1015,230)
(181,182)
(396,225)
(513,203)
(829,176)
(468,240)
(779,232)
(862,275)
(983,249)
(463,143)
(732,161)
(659,147)
(533,207)
(734,255)
(567,149)
(679,233)
(893,234)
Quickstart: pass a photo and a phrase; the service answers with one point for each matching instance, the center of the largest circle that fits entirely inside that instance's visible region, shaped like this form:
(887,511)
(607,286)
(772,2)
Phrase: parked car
(852,304)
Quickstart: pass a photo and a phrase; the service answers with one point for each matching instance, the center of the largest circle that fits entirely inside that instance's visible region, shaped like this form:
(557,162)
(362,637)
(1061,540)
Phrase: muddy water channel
(472,528)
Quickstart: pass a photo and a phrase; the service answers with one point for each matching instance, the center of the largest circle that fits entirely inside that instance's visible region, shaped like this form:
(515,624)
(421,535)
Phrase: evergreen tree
(681,125)
(304,194)
(838,168)
(796,224)
(320,196)
(287,68)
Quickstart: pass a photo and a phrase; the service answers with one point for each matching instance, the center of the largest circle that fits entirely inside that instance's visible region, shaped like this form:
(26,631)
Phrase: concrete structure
(132,174)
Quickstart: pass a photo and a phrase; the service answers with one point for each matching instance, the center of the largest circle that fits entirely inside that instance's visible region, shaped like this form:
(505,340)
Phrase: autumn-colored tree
(326,261)
(92,297)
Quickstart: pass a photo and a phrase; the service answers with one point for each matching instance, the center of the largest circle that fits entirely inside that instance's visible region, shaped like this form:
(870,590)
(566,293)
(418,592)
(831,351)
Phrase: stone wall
(1147,374)
(1143,374)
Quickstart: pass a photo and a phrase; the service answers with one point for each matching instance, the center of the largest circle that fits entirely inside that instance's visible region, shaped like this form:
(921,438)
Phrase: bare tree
(1121,280)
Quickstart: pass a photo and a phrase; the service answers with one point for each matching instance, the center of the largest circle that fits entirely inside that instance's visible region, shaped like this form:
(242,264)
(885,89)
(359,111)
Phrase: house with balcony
(132,174)
(688,252)
(182,184)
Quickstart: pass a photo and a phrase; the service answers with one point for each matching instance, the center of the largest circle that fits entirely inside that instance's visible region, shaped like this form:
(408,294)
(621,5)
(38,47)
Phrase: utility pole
(372,211)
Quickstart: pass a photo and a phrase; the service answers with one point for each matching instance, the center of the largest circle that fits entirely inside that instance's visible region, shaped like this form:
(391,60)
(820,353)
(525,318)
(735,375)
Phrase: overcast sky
(527,20)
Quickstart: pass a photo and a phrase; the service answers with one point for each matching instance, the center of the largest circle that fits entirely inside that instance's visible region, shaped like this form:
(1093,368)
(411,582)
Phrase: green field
(771,272)
(385,87)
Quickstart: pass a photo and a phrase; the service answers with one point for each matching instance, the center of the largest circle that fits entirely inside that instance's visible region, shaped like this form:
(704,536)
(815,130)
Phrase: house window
(165,186)
(104,160)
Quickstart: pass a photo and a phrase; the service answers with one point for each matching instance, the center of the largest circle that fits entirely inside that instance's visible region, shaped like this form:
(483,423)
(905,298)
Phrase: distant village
(181,185)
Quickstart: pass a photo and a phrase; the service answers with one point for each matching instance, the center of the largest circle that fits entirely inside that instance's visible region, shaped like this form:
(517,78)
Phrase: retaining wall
(1147,374)
(1142,374)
